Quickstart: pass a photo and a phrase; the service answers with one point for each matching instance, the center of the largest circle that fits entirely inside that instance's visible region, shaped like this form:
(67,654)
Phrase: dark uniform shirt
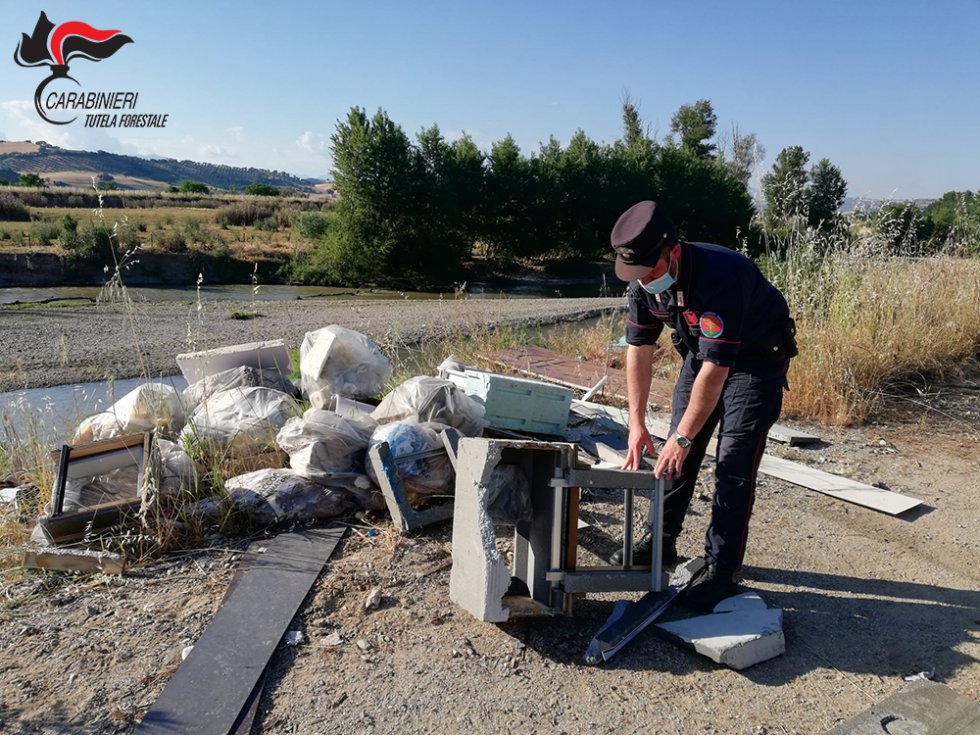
(723,308)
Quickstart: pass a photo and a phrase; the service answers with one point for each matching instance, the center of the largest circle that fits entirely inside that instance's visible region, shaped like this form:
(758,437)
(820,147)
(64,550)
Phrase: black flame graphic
(54,46)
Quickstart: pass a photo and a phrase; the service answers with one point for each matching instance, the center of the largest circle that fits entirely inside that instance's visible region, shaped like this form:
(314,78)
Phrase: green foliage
(953,222)
(12,209)
(825,194)
(696,124)
(193,187)
(172,241)
(45,232)
(92,245)
(262,190)
(745,154)
(32,180)
(784,187)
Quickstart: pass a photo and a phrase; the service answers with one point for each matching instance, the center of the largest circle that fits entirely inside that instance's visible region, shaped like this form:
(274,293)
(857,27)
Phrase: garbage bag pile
(245,412)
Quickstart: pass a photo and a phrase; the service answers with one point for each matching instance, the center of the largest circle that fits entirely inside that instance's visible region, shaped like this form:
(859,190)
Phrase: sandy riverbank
(47,346)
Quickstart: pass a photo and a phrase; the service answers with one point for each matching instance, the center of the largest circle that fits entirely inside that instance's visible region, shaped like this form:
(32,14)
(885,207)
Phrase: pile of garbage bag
(250,411)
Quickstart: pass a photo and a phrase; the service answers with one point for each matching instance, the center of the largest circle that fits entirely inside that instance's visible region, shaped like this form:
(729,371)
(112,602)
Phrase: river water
(246,292)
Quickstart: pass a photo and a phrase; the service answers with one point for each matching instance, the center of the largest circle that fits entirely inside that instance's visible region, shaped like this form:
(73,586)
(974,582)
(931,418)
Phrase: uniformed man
(734,331)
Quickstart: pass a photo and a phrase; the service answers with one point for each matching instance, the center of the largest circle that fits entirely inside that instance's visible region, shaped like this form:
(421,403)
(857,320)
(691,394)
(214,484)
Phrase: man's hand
(639,440)
(671,460)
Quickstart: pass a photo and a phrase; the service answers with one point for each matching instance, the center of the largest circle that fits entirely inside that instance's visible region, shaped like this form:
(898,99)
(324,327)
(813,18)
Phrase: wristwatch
(682,441)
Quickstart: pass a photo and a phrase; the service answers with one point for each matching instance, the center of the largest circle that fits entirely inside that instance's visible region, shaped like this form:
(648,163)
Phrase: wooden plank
(212,687)
(544,364)
(74,560)
(92,520)
(835,486)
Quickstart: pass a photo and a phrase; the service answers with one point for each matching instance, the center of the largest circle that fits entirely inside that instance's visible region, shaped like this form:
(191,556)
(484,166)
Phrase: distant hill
(75,168)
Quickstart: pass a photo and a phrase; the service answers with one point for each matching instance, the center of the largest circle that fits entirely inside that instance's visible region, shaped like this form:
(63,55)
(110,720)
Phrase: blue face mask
(658,285)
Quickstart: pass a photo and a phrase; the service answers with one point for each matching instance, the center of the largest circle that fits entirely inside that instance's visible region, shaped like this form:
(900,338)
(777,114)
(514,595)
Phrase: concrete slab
(480,577)
(743,602)
(271,355)
(738,639)
(920,708)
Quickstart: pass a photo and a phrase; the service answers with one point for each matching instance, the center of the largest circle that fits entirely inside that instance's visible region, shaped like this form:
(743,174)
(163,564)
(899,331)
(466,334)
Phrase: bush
(172,241)
(93,244)
(312,225)
(45,232)
(242,214)
(262,190)
(193,187)
(12,209)
(32,180)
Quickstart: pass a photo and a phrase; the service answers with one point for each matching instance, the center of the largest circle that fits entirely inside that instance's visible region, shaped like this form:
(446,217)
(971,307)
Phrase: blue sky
(884,89)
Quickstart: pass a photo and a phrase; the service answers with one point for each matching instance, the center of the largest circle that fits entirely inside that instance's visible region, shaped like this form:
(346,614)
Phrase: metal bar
(59,493)
(657,534)
(571,529)
(604,477)
(628,528)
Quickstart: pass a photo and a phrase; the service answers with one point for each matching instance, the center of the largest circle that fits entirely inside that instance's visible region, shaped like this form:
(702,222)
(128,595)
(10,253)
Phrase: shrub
(242,214)
(93,244)
(172,241)
(193,187)
(32,180)
(12,209)
(262,190)
(45,232)
(311,225)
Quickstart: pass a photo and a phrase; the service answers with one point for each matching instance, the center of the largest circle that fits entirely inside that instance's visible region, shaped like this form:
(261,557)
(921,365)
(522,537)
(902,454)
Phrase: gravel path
(42,347)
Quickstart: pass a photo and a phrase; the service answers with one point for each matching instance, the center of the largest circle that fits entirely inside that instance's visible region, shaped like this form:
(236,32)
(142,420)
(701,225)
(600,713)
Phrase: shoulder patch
(711,325)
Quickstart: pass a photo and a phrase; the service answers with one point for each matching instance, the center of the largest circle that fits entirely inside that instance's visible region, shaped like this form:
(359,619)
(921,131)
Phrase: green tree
(32,180)
(262,190)
(509,224)
(826,193)
(193,187)
(696,124)
(900,228)
(784,187)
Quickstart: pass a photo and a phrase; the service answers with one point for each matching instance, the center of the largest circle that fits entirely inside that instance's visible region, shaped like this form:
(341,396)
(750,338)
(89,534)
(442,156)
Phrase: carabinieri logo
(55,46)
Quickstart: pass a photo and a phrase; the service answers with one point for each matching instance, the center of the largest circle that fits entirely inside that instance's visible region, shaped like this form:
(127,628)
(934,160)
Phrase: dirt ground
(869,599)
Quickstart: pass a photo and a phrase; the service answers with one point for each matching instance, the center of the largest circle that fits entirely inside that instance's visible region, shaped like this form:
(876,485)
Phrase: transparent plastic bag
(240,421)
(425,399)
(323,446)
(420,476)
(279,495)
(237,377)
(150,407)
(335,360)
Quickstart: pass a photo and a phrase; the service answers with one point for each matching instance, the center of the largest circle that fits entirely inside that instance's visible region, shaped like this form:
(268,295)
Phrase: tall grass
(867,321)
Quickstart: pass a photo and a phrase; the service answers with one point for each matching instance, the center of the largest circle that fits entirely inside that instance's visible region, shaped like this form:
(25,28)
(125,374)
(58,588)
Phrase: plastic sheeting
(423,475)
(278,496)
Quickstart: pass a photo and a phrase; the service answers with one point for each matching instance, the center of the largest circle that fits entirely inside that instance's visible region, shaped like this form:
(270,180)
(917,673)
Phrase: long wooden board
(544,364)
(835,486)
(208,693)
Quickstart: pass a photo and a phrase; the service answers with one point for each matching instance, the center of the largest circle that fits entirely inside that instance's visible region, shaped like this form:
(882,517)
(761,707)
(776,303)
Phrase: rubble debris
(373,600)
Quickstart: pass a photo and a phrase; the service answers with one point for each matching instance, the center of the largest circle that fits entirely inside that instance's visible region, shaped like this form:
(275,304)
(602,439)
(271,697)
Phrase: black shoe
(709,588)
(643,552)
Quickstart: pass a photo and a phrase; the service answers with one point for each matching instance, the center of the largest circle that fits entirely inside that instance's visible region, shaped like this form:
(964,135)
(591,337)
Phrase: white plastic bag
(243,376)
(337,360)
(423,476)
(426,399)
(172,468)
(323,446)
(240,421)
(150,407)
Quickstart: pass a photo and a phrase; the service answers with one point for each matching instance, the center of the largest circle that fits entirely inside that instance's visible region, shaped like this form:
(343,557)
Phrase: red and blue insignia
(691,318)
(712,325)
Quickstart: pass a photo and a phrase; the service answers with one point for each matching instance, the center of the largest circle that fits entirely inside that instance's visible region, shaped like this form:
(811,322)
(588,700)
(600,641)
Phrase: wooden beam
(74,560)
